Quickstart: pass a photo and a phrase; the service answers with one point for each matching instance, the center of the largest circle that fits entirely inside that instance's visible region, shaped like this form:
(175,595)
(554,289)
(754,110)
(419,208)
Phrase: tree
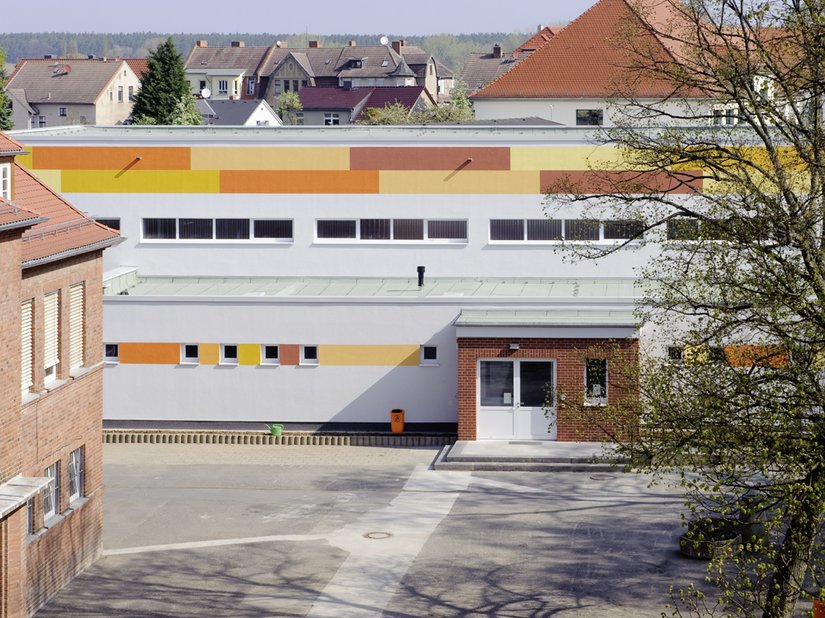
(289,104)
(738,289)
(394,114)
(456,109)
(6,122)
(164,94)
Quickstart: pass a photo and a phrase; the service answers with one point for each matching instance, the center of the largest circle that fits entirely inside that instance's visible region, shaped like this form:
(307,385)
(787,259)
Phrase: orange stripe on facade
(611,181)
(263,181)
(149,353)
(419,158)
(289,354)
(111,158)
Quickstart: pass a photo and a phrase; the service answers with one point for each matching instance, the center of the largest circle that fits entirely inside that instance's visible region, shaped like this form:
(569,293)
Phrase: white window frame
(223,86)
(524,240)
(601,399)
(250,86)
(51,336)
(391,240)
(428,362)
(252,239)
(5,181)
(310,362)
(77,474)
(26,345)
(51,493)
(270,361)
(62,112)
(190,360)
(108,358)
(332,119)
(228,359)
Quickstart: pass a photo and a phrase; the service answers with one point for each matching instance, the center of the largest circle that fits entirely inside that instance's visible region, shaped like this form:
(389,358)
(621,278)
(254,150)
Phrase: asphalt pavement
(264,530)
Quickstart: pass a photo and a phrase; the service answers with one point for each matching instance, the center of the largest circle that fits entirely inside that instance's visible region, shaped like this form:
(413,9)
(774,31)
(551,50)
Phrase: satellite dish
(206,93)
(278,43)
(384,40)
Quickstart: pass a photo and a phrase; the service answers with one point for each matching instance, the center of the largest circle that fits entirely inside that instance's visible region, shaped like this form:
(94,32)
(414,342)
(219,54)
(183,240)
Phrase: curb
(443,461)
(129,436)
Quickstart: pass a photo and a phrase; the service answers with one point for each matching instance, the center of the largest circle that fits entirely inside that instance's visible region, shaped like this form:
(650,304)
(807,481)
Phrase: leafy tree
(289,104)
(396,113)
(164,96)
(456,109)
(738,286)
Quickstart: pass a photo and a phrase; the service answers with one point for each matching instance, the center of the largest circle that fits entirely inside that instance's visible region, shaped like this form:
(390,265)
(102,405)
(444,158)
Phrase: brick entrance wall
(569,355)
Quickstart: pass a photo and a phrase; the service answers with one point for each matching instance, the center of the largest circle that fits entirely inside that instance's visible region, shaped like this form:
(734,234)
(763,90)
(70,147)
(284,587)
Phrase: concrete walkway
(536,455)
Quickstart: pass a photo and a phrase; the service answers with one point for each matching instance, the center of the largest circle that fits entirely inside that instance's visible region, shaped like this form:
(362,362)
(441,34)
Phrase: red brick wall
(569,355)
(10,446)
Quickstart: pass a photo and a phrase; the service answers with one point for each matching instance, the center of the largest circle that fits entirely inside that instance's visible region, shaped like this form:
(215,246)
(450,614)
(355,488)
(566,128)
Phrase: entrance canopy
(548,323)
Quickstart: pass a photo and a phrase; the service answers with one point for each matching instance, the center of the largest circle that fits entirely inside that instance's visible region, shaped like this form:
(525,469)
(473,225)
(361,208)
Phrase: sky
(315,16)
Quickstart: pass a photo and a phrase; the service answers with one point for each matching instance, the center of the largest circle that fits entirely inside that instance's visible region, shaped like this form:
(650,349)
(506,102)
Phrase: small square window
(111,353)
(229,354)
(62,112)
(189,354)
(589,117)
(309,355)
(675,353)
(270,355)
(429,355)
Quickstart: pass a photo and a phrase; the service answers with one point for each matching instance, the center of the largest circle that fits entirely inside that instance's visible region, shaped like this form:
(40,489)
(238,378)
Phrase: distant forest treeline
(452,50)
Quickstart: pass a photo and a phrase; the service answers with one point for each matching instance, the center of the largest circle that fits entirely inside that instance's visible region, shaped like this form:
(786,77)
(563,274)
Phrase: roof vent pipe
(421,270)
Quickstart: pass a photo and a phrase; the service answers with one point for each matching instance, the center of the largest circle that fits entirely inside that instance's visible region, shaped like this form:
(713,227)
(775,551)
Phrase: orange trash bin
(819,609)
(397,421)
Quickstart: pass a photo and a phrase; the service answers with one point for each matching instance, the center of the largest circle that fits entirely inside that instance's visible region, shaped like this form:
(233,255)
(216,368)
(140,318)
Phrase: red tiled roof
(8,145)
(13,216)
(333,98)
(67,229)
(138,65)
(584,60)
(540,39)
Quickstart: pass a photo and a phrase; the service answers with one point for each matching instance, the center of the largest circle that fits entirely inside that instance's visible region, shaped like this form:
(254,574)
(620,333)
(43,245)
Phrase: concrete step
(501,466)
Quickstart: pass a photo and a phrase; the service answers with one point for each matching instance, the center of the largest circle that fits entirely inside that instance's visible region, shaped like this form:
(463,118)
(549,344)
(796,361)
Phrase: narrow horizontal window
(273,228)
(232,229)
(622,229)
(408,229)
(447,230)
(581,229)
(195,229)
(683,229)
(506,229)
(159,228)
(336,229)
(544,229)
(375,229)
(589,117)
(109,222)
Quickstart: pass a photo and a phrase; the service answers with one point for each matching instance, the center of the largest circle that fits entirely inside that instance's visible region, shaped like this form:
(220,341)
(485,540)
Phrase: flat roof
(126,283)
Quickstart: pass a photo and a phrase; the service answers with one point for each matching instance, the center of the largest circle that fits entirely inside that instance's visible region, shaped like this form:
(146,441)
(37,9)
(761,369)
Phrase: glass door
(535,385)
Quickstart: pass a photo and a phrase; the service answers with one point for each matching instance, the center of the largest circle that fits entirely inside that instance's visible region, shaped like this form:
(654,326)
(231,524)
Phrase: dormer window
(5,181)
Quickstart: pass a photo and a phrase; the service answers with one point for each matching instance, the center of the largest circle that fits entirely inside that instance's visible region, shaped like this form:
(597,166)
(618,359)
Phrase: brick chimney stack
(202,43)
(314,45)
(496,51)
(238,44)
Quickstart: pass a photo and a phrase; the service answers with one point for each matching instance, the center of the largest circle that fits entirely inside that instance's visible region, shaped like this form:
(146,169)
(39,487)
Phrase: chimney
(496,51)
(281,44)
(314,45)
(352,43)
(237,44)
(91,56)
(421,270)
(541,27)
(202,43)
(48,56)
(397,45)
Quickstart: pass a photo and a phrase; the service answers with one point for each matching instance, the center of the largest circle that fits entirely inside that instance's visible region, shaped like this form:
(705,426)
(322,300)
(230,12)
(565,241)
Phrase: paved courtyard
(210,530)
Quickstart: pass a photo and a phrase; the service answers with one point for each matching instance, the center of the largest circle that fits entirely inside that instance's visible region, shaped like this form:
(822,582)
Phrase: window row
(564,229)
(266,354)
(52,332)
(217,229)
(392,229)
(52,495)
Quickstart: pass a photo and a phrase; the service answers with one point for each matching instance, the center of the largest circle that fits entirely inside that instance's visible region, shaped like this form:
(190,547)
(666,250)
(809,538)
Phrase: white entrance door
(511,399)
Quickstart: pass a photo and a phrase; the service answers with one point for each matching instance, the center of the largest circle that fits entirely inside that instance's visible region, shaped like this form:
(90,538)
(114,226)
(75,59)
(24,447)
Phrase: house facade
(275,277)
(57,92)
(51,481)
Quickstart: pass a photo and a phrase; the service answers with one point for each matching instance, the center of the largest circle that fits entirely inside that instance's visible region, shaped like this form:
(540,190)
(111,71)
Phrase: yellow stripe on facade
(299,158)
(52,178)
(26,159)
(563,157)
(140,181)
(210,353)
(376,355)
(454,182)
(249,354)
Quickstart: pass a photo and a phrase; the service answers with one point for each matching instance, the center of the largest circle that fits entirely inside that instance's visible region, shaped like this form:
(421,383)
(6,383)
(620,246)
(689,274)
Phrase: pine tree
(164,89)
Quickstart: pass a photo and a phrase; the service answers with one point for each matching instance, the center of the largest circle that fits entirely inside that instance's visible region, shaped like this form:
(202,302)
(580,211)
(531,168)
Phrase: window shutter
(26,347)
(76,321)
(50,330)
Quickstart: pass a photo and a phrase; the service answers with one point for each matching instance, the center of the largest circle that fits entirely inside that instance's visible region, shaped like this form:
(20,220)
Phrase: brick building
(51,482)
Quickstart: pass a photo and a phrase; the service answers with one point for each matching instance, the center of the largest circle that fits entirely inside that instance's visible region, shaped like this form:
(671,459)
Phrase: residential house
(223,73)
(273,276)
(482,68)
(49,92)
(339,106)
(573,77)
(238,113)
(51,468)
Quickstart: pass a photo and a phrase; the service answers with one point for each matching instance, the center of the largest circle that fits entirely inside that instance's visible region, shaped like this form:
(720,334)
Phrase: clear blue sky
(315,16)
